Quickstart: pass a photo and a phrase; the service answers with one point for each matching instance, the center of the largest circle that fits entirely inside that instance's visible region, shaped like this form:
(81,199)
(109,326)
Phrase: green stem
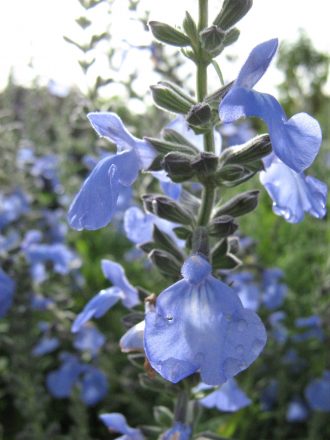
(208,192)
(206,205)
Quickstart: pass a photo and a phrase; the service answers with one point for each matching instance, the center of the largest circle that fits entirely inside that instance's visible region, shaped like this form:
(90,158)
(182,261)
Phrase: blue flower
(107,298)
(169,188)
(295,141)
(45,345)
(229,397)
(312,326)
(7,288)
(132,340)
(94,386)
(12,206)
(278,329)
(317,393)
(179,431)
(246,289)
(61,381)
(89,339)
(139,226)
(293,193)
(297,411)
(199,324)
(63,259)
(116,422)
(95,203)
(274,291)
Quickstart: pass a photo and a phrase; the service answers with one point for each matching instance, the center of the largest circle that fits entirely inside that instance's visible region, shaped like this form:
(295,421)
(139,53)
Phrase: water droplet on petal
(169,318)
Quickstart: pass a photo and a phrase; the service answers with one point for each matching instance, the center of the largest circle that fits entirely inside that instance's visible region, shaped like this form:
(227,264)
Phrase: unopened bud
(167,265)
(168,99)
(212,39)
(222,226)
(199,114)
(231,12)
(178,166)
(168,34)
(205,165)
(251,151)
(167,208)
(239,205)
(231,37)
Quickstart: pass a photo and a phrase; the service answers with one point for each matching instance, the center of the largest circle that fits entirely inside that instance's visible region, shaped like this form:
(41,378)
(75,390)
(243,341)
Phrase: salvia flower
(116,422)
(200,324)
(7,288)
(45,345)
(296,141)
(274,292)
(139,225)
(89,339)
(61,381)
(179,431)
(92,381)
(62,258)
(95,203)
(317,393)
(246,289)
(293,193)
(297,411)
(107,298)
(12,206)
(229,397)
(94,386)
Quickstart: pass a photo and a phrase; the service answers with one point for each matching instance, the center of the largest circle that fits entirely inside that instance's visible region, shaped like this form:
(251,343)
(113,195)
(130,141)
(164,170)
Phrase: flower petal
(110,126)
(295,141)
(132,340)
(94,205)
(292,193)
(97,307)
(202,327)
(116,274)
(229,397)
(256,64)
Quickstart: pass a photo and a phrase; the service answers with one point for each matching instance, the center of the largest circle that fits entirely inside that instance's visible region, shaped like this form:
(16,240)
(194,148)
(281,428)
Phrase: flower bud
(239,205)
(231,12)
(178,166)
(166,208)
(164,242)
(205,165)
(222,226)
(231,37)
(251,151)
(168,34)
(212,39)
(168,99)
(167,265)
(199,114)
(163,147)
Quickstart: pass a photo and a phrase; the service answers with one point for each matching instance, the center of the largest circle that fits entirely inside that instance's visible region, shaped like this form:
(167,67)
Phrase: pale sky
(32,30)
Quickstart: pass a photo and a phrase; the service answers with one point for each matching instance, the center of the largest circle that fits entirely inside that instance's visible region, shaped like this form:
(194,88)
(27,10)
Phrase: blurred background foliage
(55,123)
